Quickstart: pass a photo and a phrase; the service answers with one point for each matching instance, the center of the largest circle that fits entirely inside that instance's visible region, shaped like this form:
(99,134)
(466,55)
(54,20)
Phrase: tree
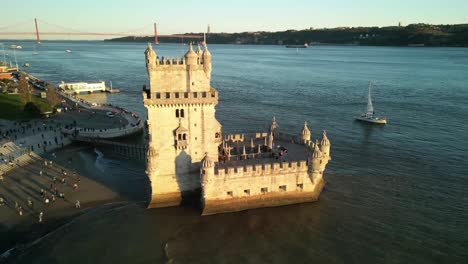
(23,89)
(52,95)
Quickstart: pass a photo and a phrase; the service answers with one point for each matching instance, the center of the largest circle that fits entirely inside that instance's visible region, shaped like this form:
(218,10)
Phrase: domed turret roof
(149,50)
(190,53)
(325,140)
(317,153)
(305,130)
(206,52)
(206,162)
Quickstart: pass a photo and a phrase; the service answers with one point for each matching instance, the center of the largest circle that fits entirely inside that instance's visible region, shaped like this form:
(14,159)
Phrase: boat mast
(14,53)
(4,55)
(370,108)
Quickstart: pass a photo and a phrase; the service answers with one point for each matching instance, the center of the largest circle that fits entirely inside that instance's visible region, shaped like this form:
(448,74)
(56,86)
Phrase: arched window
(177,113)
(180,137)
(185,137)
(181,112)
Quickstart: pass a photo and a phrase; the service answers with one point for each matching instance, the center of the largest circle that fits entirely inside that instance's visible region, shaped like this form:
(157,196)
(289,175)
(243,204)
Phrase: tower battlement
(191,73)
(263,169)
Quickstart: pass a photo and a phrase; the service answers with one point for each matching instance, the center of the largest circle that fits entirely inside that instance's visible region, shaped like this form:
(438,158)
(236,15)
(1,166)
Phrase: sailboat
(369,115)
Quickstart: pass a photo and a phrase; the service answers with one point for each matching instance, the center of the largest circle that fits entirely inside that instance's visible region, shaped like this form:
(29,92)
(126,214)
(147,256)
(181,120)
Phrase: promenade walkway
(132,125)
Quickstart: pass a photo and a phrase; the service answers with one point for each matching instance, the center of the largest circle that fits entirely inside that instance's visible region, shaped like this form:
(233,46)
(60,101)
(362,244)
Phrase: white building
(83,87)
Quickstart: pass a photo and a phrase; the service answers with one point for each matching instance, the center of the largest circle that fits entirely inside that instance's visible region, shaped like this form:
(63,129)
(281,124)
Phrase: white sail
(370,108)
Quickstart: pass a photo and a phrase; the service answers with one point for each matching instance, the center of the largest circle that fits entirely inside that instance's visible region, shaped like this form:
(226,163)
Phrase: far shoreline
(235,44)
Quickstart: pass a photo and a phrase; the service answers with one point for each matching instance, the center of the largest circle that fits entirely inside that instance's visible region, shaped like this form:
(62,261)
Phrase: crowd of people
(68,182)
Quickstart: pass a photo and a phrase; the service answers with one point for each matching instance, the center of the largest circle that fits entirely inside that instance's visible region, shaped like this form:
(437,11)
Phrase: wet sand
(24,183)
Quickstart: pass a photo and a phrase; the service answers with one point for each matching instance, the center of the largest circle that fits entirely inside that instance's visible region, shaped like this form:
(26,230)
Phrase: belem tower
(188,153)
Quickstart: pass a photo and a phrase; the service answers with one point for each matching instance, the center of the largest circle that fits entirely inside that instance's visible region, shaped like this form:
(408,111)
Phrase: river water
(394,193)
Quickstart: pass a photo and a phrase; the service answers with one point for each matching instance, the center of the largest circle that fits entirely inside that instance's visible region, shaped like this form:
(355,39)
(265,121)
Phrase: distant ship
(369,115)
(15,47)
(303,46)
(68,51)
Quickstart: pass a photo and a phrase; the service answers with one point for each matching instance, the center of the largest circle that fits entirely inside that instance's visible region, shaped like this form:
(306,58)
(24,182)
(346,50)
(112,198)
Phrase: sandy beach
(22,185)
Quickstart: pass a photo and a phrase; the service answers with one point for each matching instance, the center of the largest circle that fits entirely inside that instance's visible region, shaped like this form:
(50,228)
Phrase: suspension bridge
(10,31)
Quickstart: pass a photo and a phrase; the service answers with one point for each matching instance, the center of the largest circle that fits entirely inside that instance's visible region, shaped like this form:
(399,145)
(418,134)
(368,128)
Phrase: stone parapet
(265,169)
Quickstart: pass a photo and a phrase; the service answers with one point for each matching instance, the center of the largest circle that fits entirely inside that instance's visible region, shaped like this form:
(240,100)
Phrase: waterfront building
(82,87)
(188,155)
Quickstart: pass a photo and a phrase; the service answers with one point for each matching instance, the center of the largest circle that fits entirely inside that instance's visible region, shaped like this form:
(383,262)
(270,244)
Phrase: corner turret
(151,155)
(207,169)
(305,134)
(199,51)
(190,57)
(207,61)
(325,144)
(150,56)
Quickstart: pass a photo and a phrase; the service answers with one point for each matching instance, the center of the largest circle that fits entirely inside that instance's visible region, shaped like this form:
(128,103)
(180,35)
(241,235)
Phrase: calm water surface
(395,194)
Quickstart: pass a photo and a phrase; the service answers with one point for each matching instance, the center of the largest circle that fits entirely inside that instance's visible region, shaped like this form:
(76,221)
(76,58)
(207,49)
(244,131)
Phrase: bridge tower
(182,126)
(38,40)
(156,42)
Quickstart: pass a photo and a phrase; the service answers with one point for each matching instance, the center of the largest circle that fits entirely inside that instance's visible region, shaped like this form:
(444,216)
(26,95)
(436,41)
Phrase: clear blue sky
(179,16)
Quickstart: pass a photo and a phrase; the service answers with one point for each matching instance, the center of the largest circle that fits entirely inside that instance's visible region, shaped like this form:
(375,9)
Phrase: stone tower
(182,126)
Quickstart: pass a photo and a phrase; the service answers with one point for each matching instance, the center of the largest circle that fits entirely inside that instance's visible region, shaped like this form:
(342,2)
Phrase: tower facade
(182,126)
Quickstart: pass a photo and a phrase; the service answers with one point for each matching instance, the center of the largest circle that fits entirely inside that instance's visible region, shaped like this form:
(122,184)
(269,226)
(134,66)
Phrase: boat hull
(372,120)
(297,46)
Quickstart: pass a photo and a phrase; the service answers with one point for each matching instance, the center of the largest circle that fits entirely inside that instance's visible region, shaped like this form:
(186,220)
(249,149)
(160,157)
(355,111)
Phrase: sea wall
(250,180)
(271,199)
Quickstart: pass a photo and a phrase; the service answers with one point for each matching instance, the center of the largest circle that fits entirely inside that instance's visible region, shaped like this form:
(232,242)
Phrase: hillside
(414,34)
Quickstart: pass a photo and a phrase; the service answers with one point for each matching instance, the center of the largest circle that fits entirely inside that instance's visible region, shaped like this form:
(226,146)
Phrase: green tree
(23,89)
(52,96)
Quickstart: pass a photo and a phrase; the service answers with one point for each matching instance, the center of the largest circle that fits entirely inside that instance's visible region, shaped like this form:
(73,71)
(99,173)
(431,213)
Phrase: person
(53,198)
(40,173)
(20,210)
(63,181)
(77,204)
(46,201)
(40,217)
(2,178)
(2,201)
(42,193)
(30,203)
(75,186)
